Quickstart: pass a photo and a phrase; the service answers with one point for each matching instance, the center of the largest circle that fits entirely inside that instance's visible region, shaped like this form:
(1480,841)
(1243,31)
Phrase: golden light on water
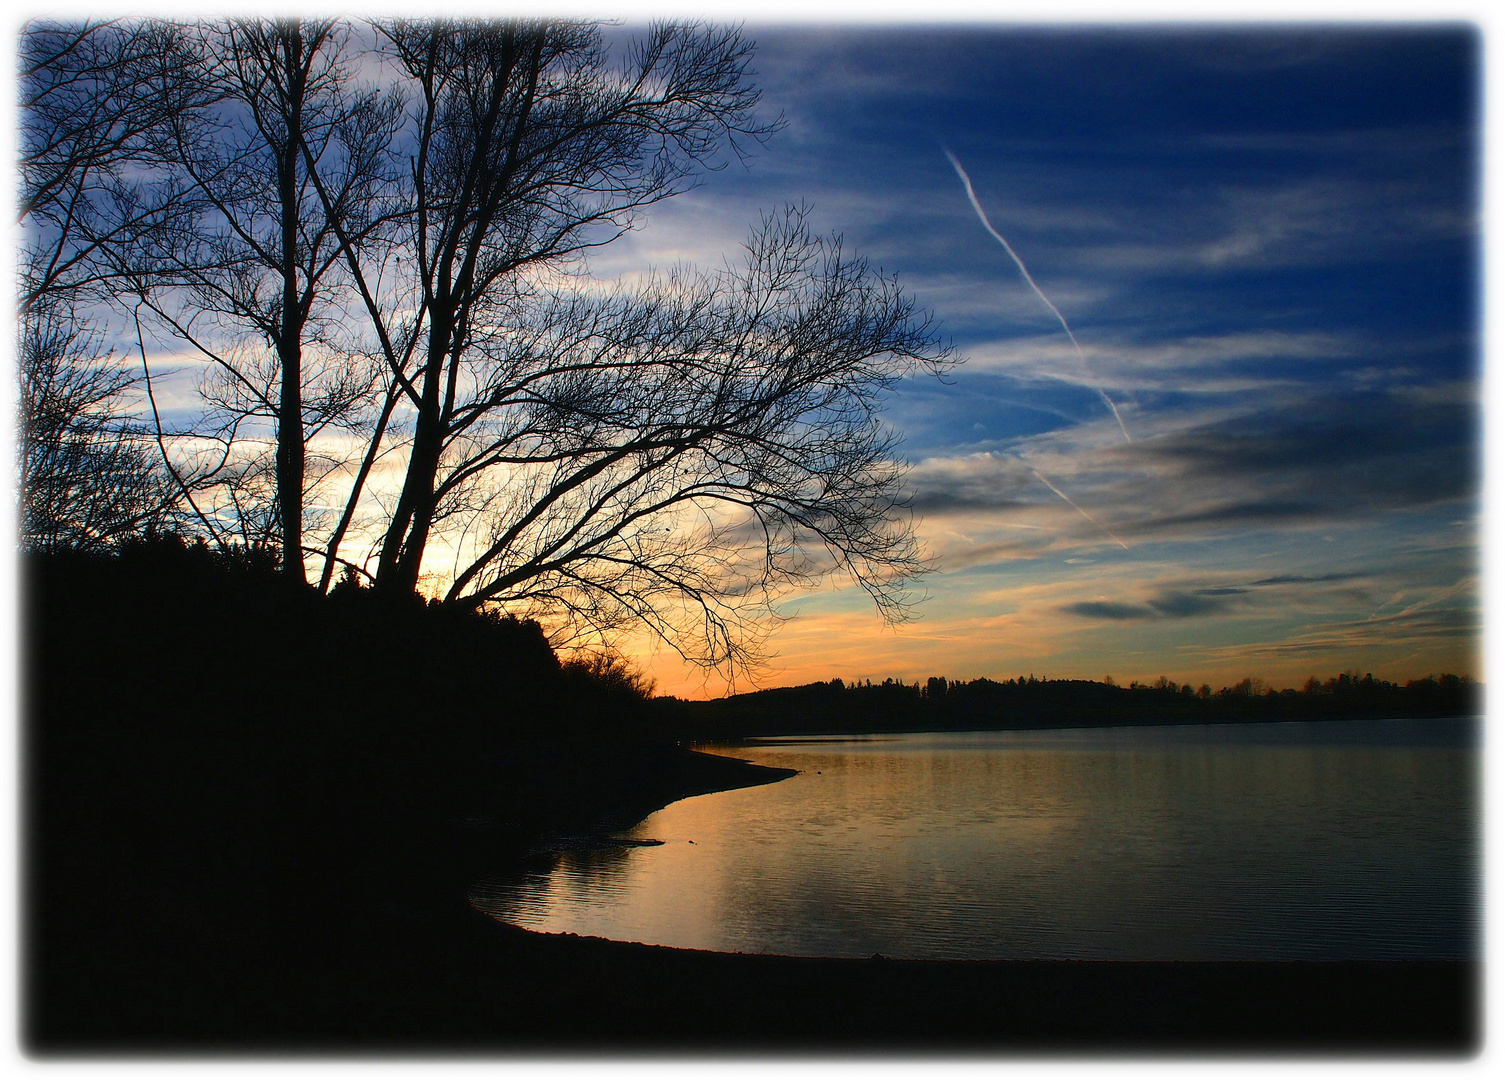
(1241,842)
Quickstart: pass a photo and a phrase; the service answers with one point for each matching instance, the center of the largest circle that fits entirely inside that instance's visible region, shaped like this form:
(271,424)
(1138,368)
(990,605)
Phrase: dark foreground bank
(447,980)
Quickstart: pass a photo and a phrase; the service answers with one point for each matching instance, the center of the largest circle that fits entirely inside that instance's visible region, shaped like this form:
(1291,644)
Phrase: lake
(1336,840)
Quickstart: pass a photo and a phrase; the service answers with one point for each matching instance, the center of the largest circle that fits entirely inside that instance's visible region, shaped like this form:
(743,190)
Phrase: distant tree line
(1030,702)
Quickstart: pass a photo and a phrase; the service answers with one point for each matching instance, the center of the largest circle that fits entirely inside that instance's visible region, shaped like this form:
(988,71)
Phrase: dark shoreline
(590,994)
(456,982)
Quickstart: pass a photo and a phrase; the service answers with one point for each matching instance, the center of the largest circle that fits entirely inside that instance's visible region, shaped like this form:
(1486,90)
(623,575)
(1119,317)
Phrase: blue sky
(1267,244)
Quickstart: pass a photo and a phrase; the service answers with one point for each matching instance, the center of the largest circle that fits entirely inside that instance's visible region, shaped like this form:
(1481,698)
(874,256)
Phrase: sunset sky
(1267,245)
(1260,457)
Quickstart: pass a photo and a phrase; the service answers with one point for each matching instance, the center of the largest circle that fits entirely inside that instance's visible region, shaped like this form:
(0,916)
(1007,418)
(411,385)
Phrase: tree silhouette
(677,455)
(93,96)
(529,147)
(252,284)
(88,477)
(384,231)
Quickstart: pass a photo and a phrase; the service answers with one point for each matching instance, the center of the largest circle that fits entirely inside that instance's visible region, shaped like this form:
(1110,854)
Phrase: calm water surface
(1333,840)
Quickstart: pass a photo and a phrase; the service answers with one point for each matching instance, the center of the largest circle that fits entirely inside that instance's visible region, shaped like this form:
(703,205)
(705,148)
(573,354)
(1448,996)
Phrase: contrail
(986,224)
(1079,510)
(1425,603)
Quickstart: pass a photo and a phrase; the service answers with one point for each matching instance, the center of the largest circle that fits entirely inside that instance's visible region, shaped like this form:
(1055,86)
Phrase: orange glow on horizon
(855,647)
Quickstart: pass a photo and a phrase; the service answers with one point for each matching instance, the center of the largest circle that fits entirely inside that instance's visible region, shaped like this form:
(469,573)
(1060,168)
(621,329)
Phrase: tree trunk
(407,536)
(290,464)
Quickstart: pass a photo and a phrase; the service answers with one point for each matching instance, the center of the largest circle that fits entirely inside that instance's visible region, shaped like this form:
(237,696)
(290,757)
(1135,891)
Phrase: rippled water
(1334,840)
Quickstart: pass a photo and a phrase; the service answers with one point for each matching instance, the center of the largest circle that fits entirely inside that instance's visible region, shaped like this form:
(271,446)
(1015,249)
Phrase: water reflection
(1291,841)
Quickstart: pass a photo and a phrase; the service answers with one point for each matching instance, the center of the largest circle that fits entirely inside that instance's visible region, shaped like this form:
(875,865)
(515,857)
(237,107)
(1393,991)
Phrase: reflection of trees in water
(516,893)
(598,869)
(545,875)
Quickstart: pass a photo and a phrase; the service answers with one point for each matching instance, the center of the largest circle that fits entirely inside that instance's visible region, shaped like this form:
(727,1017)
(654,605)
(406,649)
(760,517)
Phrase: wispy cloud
(1257,246)
(1222,363)
(1173,604)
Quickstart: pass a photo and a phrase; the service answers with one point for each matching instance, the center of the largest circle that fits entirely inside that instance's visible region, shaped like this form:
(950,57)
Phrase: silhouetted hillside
(1024,703)
(226,779)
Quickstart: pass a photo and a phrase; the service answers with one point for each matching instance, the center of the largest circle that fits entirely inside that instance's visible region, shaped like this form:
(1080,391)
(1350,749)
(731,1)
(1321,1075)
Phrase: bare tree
(529,147)
(253,286)
(678,456)
(88,477)
(674,456)
(94,96)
